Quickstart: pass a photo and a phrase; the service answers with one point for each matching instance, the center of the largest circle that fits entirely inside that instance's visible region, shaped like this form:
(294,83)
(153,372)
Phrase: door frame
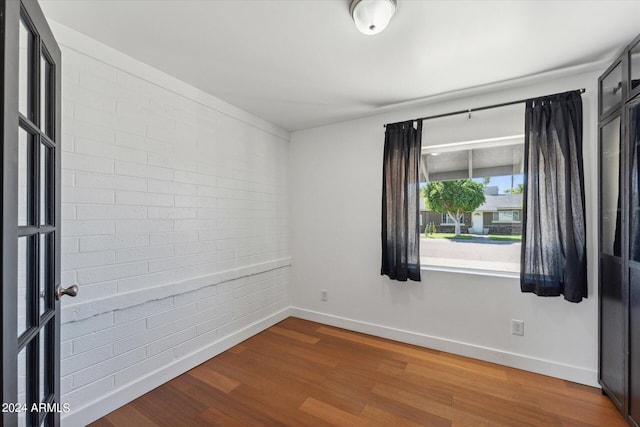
(9,122)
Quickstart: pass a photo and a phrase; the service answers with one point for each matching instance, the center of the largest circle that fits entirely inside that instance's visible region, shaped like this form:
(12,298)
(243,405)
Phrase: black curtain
(553,233)
(400,199)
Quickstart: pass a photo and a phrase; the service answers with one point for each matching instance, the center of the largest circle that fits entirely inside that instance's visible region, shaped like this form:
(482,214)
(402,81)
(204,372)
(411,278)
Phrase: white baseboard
(541,366)
(112,401)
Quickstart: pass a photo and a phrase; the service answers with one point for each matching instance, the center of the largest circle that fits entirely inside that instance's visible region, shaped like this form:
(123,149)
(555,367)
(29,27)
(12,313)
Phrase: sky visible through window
(505,182)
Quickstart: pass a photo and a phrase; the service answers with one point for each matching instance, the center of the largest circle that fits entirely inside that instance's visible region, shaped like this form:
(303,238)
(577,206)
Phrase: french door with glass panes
(30,217)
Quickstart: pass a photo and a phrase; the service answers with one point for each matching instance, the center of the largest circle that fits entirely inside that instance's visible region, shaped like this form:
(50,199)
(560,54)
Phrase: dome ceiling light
(372,16)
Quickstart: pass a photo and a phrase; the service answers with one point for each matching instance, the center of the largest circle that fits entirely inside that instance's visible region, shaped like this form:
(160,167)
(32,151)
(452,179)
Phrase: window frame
(471,145)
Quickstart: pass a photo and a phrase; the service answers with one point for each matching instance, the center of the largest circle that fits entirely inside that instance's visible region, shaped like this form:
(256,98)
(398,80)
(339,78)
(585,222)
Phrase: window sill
(473,271)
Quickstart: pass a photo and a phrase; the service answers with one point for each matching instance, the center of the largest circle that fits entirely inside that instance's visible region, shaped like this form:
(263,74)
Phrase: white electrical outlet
(517,327)
(324,295)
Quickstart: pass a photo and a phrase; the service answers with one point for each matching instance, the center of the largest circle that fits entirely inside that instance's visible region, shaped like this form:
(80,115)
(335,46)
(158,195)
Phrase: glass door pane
(44,279)
(46,184)
(46,95)
(42,391)
(25,71)
(634,227)
(25,173)
(611,90)
(634,66)
(22,386)
(610,188)
(23,294)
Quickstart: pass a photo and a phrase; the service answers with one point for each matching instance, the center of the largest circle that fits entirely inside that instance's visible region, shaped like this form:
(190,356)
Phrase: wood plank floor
(301,373)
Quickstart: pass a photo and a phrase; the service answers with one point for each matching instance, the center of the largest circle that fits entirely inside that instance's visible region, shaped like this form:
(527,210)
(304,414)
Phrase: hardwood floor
(301,373)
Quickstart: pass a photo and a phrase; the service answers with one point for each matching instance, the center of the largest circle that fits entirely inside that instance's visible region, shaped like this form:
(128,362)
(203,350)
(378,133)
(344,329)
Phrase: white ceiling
(302,63)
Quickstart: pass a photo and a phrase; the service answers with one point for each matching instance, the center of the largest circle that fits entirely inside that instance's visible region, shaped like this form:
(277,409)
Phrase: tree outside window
(454,198)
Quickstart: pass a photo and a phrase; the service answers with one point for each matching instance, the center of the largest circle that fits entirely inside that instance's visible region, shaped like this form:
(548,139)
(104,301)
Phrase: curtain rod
(471,110)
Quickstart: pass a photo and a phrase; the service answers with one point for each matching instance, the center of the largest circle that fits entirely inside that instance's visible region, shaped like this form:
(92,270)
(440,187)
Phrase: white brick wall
(159,190)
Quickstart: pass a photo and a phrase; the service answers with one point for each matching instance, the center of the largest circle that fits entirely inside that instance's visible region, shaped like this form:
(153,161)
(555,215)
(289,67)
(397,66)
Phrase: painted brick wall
(175,227)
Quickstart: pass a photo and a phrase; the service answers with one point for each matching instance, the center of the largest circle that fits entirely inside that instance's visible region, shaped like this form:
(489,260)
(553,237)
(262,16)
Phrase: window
(446,219)
(506,216)
(490,233)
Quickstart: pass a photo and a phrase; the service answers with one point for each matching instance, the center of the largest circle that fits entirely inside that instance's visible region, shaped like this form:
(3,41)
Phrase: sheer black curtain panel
(553,233)
(400,199)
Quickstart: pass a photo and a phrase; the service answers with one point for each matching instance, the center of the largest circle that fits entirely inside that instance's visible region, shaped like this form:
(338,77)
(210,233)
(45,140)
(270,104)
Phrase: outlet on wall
(517,327)
(324,295)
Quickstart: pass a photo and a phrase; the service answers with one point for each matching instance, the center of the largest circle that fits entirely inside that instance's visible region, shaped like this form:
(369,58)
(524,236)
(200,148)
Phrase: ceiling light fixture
(372,16)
